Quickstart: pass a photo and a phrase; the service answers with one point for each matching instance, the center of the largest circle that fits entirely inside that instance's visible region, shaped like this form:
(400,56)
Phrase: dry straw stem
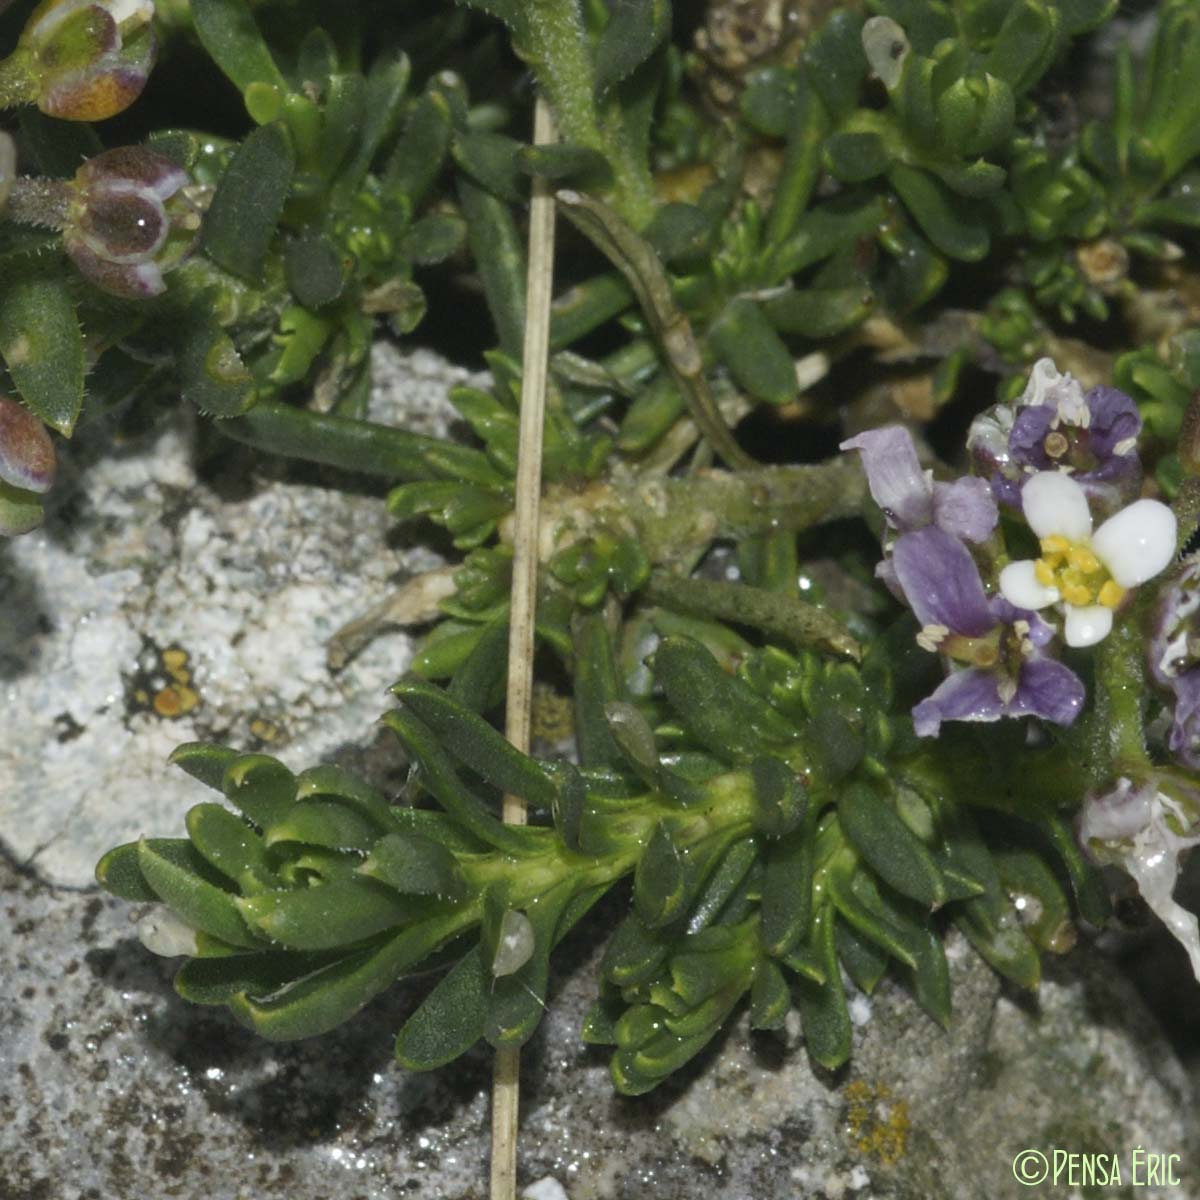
(535,364)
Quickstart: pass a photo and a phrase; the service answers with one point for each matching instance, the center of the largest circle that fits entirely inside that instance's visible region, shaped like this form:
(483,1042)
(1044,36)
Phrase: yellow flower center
(1079,575)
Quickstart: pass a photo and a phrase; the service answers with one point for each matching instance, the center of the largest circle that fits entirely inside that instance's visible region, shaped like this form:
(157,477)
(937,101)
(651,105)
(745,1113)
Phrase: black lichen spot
(67,729)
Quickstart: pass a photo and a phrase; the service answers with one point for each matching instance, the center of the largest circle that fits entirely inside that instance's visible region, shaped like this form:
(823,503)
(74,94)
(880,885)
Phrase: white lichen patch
(137,556)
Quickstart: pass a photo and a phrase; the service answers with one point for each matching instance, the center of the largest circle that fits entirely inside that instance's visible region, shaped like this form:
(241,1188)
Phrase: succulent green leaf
(228,32)
(633,953)
(327,915)
(865,961)
(415,866)
(500,257)
(476,743)
(450,1020)
(1026,43)
(119,874)
(439,776)
(854,157)
(819,312)
(744,340)
(205,761)
(634,31)
(42,343)
(177,878)
(723,713)
(780,796)
(332,782)
(494,162)
(770,996)
(218,980)
(314,269)
(824,1018)
(723,884)
(953,226)
(900,858)
(836,62)
(232,847)
(1091,895)
(422,148)
(660,882)
(327,823)
(261,786)
(323,999)
(787,888)
(245,209)
(930,978)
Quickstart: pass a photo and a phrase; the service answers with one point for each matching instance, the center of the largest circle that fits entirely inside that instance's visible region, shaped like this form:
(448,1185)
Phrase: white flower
(1088,573)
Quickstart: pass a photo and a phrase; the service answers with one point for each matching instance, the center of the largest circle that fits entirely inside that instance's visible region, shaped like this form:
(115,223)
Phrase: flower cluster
(1046,461)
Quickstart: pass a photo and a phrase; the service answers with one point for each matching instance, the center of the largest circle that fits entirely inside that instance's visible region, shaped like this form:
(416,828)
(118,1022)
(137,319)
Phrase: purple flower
(1175,660)
(908,495)
(1005,672)
(130,221)
(1056,426)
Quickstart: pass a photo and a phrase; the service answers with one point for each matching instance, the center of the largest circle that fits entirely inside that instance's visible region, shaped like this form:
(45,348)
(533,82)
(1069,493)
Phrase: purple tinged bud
(130,221)
(88,59)
(27,459)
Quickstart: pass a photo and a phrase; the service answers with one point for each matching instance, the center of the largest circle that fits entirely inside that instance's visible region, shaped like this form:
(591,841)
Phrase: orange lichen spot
(876,1123)
(175,663)
(264,730)
(176,700)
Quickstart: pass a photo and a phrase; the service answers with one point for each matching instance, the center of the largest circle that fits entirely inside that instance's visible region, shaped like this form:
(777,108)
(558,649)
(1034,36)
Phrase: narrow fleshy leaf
(878,833)
(42,343)
(228,32)
(176,877)
(450,1020)
(245,209)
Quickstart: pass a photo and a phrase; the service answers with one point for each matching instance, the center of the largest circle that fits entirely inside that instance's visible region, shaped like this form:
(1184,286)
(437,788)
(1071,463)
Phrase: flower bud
(26,452)
(87,60)
(130,220)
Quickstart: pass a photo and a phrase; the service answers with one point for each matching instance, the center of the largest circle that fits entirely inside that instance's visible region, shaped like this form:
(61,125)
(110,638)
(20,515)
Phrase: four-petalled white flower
(1087,573)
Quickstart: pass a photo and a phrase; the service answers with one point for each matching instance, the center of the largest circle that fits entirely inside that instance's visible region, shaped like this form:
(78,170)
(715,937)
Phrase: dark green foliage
(853,231)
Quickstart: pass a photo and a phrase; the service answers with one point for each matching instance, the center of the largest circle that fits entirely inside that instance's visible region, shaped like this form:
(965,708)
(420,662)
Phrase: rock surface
(110,1086)
(144,570)
(113,1088)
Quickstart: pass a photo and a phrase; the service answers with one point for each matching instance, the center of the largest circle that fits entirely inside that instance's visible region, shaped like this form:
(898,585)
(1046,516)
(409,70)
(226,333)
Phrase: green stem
(780,616)
(44,202)
(671,517)
(556,47)
(18,84)
(1120,694)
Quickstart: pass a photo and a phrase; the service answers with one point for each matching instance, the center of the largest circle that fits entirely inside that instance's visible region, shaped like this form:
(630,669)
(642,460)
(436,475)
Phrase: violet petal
(1184,739)
(965,508)
(1114,419)
(1027,441)
(1046,688)
(969,695)
(941,582)
(894,475)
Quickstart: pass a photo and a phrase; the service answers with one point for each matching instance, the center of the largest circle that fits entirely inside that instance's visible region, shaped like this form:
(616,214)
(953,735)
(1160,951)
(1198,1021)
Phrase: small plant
(867,680)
